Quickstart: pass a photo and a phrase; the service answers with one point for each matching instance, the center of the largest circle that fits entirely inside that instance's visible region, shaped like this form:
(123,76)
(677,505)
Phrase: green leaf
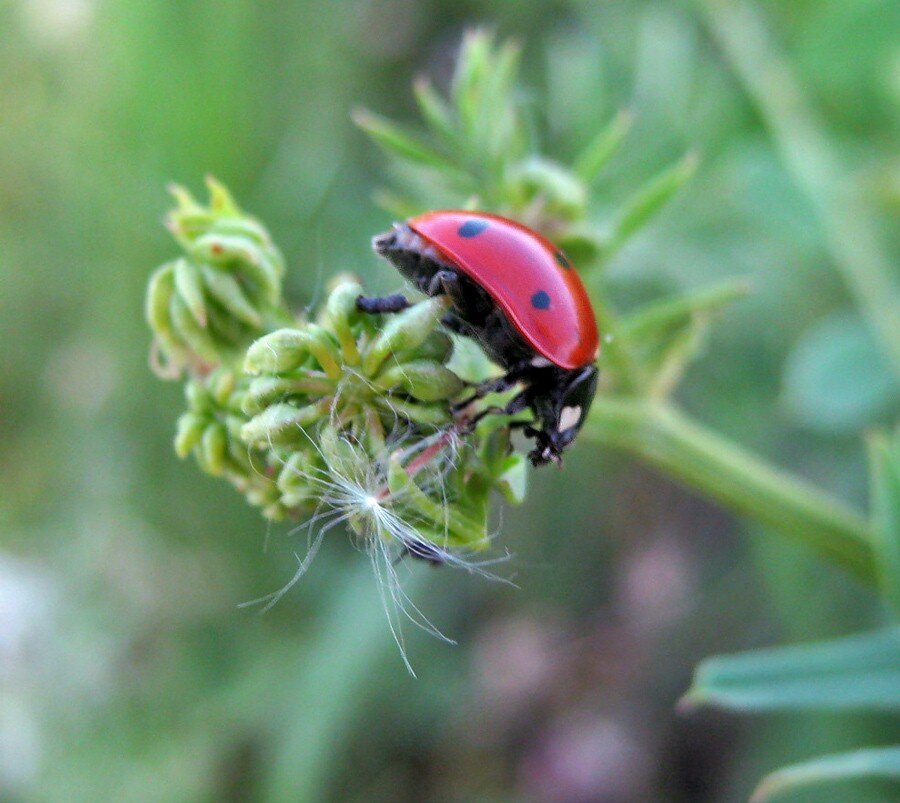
(395,140)
(591,161)
(671,333)
(860,671)
(512,481)
(649,200)
(471,68)
(663,317)
(469,362)
(879,763)
(884,459)
(435,110)
(836,379)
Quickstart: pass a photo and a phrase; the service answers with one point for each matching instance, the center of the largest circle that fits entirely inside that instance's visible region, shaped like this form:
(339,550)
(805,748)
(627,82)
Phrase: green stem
(738,480)
(813,161)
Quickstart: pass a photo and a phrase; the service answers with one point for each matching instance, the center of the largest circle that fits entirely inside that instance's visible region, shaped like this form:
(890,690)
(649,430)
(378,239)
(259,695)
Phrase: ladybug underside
(559,397)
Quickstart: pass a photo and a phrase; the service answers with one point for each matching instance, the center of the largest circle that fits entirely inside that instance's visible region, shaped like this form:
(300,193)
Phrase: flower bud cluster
(346,415)
(206,306)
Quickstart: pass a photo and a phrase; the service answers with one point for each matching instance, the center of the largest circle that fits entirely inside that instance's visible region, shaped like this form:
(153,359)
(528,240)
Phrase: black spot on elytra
(472,228)
(541,300)
(562,260)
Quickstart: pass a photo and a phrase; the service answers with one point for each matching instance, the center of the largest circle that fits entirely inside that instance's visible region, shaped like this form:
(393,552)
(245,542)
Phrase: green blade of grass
(884,458)
(856,672)
(882,763)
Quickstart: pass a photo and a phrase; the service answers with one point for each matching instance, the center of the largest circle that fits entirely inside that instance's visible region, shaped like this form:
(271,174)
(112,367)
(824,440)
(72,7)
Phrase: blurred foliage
(127,671)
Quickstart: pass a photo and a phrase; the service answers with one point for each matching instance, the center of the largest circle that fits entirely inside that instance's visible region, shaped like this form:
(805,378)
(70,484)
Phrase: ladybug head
(562,410)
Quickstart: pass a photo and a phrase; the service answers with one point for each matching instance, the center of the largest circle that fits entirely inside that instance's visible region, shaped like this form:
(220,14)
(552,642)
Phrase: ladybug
(518,296)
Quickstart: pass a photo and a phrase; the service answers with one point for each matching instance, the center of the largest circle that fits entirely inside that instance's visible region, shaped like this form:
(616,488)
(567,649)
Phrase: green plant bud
(245,226)
(228,331)
(190,287)
(458,528)
(263,493)
(286,349)
(423,380)
(428,415)
(281,423)
(267,389)
(293,483)
(341,313)
(438,347)
(243,255)
(278,352)
(195,337)
(198,397)
(225,289)
(214,447)
(189,431)
(340,457)
(222,385)
(160,292)
(404,332)
(190,219)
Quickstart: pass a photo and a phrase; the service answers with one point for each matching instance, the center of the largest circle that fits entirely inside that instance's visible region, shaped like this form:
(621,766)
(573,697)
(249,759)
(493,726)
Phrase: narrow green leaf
(596,155)
(860,671)
(395,140)
(497,118)
(877,763)
(661,317)
(650,200)
(884,459)
(395,205)
(676,354)
(435,110)
(471,69)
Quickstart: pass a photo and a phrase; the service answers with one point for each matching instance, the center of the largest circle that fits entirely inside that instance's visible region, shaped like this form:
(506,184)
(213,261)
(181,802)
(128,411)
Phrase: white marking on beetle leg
(540,362)
(569,417)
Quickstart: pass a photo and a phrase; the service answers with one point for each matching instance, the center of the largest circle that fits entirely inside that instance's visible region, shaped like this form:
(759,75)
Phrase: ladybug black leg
(457,325)
(447,282)
(394,303)
(518,403)
(422,551)
(498,385)
(483,389)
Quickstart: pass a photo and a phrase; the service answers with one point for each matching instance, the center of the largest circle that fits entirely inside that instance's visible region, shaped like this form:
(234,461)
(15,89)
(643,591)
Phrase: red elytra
(527,276)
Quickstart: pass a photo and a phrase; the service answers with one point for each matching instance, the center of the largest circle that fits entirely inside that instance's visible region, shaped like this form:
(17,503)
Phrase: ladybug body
(516,294)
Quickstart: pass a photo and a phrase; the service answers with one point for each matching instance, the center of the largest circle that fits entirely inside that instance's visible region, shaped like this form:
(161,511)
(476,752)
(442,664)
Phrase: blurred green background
(128,672)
